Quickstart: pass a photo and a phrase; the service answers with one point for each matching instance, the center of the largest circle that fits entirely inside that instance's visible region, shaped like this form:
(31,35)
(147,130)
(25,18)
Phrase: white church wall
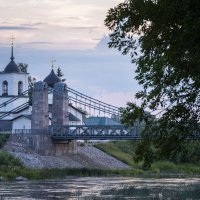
(21,123)
(24,79)
(13,79)
(77,114)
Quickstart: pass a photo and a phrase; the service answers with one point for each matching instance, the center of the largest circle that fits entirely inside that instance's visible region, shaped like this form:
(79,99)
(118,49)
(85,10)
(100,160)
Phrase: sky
(74,34)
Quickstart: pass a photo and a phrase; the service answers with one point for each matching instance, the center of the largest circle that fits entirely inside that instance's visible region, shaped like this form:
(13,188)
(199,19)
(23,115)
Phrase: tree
(23,67)
(60,74)
(31,81)
(168,68)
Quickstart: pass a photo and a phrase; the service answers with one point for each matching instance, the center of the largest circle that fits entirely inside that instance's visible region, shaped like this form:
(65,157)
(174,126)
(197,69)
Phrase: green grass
(11,167)
(122,150)
(170,167)
(38,174)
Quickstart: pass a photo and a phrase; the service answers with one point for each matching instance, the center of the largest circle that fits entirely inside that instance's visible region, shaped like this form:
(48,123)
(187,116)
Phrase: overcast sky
(73,32)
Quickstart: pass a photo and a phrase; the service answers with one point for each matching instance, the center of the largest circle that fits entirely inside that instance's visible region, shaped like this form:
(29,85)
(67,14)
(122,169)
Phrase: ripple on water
(101,188)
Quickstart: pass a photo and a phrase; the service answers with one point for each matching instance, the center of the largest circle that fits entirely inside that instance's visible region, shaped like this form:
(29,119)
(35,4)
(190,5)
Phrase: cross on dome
(12,40)
(52,62)
(12,66)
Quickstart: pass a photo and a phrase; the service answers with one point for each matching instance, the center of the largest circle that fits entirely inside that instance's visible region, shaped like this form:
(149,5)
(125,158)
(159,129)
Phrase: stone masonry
(40,141)
(40,116)
(60,105)
(60,116)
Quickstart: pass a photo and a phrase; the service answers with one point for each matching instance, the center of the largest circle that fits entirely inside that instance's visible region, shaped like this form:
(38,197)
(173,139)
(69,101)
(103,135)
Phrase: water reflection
(90,188)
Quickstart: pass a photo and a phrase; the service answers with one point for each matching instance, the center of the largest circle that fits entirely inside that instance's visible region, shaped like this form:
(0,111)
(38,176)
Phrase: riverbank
(87,157)
(13,173)
(11,169)
(17,161)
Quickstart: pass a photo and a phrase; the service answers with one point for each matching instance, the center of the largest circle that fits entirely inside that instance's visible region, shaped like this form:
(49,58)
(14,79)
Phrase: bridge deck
(91,132)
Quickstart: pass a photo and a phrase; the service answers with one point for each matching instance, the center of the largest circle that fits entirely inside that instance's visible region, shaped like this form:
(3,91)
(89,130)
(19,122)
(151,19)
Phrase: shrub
(8,160)
(3,139)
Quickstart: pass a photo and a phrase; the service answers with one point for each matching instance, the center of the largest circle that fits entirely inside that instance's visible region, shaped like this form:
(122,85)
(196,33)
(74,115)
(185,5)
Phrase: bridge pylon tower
(60,113)
(40,116)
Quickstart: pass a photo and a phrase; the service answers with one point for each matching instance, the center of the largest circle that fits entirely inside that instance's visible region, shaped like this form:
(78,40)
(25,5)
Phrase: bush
(3,139)
(189,153)
(8,160)
(164,166)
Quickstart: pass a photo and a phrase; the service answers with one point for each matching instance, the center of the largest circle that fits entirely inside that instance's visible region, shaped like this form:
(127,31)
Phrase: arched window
(5,88)
(20,87)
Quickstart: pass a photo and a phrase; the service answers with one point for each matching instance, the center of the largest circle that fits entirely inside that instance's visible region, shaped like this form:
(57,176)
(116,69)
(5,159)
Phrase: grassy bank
(124,151)
(10,167)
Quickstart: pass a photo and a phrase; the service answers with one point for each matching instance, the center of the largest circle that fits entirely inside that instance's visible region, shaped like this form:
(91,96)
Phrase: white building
(17,114)
(13,83)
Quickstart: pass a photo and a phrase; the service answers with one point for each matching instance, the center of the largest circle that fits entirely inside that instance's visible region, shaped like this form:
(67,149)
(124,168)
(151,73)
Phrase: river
(106,188)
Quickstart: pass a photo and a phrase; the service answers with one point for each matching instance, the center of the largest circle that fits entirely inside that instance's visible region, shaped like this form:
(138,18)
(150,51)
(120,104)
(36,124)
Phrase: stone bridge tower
(60,115)
(42,142)
(40,115)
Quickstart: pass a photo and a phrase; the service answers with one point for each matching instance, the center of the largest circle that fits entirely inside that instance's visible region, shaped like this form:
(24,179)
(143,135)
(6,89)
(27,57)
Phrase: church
(15,104)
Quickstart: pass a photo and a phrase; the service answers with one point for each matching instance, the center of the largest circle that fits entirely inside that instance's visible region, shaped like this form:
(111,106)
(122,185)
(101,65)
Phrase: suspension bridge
(76,98)
(83,132)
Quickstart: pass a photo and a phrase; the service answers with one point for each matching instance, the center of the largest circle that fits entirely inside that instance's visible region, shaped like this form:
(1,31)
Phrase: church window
(5,88)
(20,87)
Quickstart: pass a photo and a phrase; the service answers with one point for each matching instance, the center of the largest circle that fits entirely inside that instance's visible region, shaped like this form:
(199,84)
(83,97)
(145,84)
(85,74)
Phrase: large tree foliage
(168,67)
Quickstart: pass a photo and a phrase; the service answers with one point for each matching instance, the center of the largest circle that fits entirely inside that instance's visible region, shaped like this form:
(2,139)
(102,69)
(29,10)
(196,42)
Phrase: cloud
(33,24)
(119,99)
(17,28)
(59,22)
(35,43)
(101,72)
(81,27)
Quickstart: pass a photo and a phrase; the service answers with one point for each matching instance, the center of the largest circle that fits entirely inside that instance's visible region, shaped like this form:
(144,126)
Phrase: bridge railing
(91,132)
(94,132)
(5,131)
(31,131)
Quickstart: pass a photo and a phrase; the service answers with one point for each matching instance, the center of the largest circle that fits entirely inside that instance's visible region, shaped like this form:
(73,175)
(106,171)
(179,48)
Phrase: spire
(12,39)
(52,62)
(11,66)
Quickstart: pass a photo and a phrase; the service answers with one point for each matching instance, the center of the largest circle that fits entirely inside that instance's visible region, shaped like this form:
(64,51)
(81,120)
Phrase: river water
(108,188)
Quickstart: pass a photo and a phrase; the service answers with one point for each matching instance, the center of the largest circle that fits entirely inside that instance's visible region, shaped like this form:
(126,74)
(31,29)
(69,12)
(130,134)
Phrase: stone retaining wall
(41,144)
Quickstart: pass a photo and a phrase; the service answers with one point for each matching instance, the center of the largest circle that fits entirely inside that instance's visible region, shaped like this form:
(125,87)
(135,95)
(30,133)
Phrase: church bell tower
(13,82)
